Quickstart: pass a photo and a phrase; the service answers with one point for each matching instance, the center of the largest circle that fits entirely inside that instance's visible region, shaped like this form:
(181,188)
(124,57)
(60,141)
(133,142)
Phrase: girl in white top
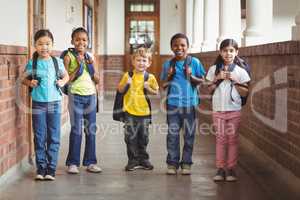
(227,103)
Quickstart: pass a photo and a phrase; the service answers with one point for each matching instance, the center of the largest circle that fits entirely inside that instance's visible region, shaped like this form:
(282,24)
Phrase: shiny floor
(116,184)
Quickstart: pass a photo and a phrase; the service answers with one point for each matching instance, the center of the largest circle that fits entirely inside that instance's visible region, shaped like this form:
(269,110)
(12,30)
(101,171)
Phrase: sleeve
(164,73)
(61,67)
(200,71)
(152,82)
(211,73)
(124,80)
(244,76)
(28,68)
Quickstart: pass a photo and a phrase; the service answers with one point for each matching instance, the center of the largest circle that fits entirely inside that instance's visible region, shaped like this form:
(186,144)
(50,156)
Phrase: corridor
(116,184)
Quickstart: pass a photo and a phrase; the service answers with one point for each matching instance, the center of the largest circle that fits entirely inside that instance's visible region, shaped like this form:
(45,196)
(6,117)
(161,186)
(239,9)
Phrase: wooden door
(142,30)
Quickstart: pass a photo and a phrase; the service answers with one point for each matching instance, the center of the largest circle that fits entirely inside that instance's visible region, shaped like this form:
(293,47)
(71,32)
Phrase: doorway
(142,30)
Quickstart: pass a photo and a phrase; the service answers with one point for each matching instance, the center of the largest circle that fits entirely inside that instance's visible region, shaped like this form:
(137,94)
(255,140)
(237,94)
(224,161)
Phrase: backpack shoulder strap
(146,76)
(130,73)
(34,66)
(188,60)
(55,63)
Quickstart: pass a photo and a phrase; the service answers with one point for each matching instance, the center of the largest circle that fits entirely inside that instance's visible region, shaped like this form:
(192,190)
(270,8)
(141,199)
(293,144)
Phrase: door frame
(155,16)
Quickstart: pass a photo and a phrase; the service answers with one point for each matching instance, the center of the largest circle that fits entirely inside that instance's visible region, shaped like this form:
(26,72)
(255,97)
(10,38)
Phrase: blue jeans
(82,110)
(177,118)
(46,127)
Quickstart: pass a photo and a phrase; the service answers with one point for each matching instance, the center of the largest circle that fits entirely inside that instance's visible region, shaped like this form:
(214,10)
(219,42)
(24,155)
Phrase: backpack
(241,63)
(90,67)
(118,113)
(34,69)
(187,64)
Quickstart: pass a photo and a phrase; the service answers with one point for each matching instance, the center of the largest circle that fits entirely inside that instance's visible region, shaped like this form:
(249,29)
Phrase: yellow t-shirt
(135,102)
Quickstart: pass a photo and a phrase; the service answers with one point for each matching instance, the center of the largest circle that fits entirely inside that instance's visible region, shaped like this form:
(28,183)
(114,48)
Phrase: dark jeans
(178,118)
(46,128)
(136,137)
(82,110)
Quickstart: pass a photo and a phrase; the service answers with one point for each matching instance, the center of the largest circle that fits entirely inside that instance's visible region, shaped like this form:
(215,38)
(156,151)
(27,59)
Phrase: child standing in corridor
(227,72)
(136,84)
(45,75)
(82,103)
(182,74)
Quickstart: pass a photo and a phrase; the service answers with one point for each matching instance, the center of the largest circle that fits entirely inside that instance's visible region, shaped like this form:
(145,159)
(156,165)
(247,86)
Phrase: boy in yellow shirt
(136,105)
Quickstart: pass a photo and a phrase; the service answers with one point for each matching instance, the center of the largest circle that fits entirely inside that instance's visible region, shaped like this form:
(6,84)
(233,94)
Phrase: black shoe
(220,175)
(131,166)
(145,164)
(231,176)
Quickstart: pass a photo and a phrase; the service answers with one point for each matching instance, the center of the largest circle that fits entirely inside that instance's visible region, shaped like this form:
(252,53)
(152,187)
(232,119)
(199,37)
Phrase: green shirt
(84,84)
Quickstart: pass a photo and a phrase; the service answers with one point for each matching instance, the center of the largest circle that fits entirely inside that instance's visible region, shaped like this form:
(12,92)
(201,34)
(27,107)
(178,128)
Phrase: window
(142,6)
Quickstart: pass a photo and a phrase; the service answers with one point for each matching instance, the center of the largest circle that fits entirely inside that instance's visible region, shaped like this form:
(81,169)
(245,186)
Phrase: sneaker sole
(47,178)
(39,178)
(231,179)
(95,172)
(219,179)
(134,168)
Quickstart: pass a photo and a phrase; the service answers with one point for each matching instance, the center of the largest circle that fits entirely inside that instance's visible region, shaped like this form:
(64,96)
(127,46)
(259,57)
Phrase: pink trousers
(226,125)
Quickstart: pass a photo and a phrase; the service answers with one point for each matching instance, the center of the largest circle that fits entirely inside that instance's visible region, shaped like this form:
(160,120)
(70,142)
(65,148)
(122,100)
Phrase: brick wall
(112,68)
(14,144)
(270,119)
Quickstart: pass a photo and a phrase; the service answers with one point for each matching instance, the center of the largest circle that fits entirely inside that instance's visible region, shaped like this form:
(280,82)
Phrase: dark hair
(41,33)
(79,30)
(179,35)
(226,43)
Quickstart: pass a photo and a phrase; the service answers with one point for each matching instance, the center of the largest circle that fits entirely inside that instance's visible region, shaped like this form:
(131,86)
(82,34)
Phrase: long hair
(226,43)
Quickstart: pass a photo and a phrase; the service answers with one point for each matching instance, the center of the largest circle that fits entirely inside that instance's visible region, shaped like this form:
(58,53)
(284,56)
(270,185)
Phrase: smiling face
(44,46)
(80,41)
(180,47)
(228,54)
(141,63)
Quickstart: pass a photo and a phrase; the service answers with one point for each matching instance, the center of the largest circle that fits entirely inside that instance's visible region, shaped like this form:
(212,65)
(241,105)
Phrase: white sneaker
(93,168)
(39,177)
(49,177)
(171,170)
(73,169)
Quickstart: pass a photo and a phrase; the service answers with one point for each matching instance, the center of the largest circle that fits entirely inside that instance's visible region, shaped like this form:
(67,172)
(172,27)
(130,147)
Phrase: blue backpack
(90,66)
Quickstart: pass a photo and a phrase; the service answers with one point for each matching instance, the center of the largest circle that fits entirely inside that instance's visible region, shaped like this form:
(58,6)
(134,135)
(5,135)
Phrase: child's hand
(171,71)
(96,79)
(34,83)
(222,75)
(60,83)
(146,85)
(188,72)
(129,80)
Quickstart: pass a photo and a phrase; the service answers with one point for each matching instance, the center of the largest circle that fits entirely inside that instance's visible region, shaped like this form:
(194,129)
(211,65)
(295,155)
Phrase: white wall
(60,20)
(171,22)
(115,27)
(13,22)
(284,13)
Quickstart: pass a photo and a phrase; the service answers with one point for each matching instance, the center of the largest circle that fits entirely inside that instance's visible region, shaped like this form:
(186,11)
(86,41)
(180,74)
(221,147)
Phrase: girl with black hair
(225,74)
(45,80)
